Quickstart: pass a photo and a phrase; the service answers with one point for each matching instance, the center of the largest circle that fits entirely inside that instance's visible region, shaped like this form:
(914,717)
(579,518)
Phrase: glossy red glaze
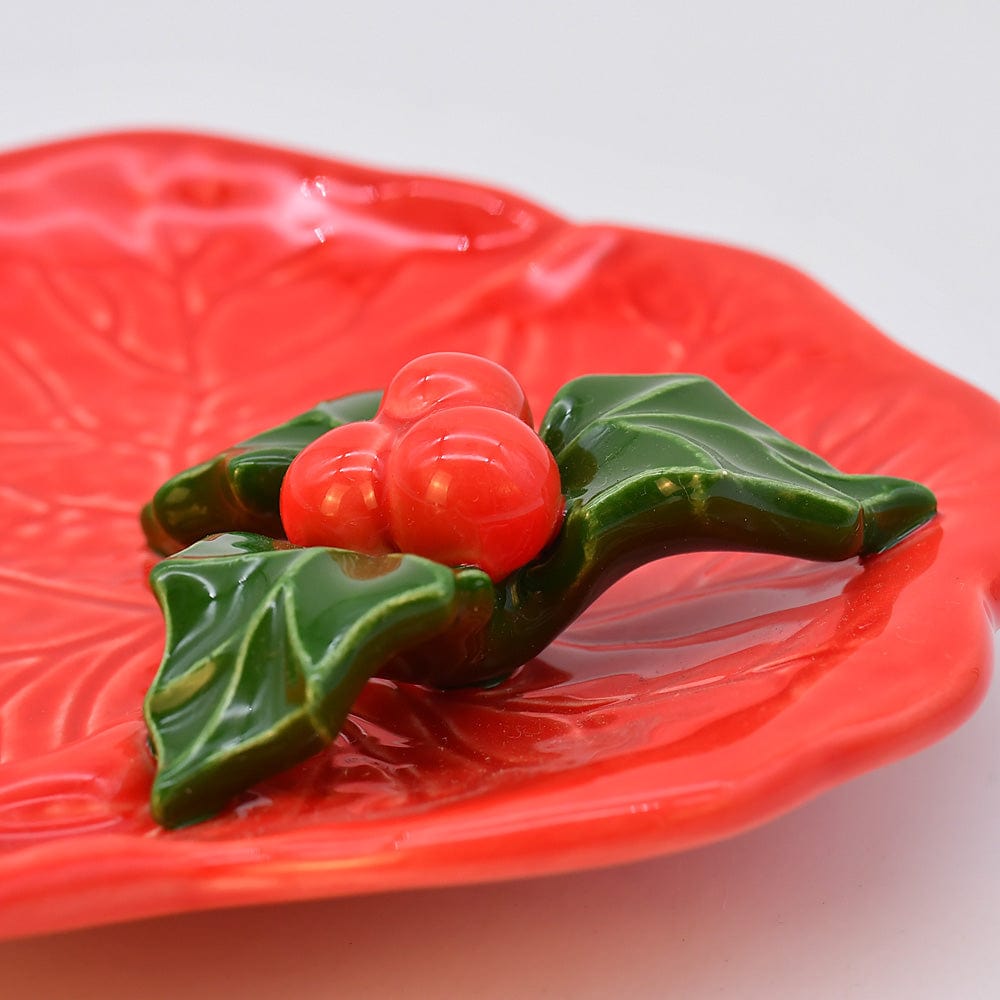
(162,296)
(473,486)
(446,379)
(334,490)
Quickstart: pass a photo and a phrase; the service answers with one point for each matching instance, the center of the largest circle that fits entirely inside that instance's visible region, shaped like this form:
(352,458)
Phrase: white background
(859,141)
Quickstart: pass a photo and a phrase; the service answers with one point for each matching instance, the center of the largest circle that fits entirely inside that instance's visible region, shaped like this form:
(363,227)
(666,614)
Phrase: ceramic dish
(163,295)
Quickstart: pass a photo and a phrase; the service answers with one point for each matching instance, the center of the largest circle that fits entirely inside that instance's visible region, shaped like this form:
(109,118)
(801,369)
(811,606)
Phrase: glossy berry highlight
(447,379)
(450,469)
(475,486)
(334,491)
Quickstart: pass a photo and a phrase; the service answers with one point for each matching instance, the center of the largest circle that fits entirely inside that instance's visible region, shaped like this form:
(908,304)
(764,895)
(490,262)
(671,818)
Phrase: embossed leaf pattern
(162,296)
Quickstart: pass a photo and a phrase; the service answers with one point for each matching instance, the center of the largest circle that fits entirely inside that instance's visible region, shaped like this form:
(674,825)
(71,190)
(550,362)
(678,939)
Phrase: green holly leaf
(654,465)
(715,476)
(238,490)
(267,648)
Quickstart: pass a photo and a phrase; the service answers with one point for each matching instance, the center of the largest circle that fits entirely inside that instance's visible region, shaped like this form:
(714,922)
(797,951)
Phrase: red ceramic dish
(164,295)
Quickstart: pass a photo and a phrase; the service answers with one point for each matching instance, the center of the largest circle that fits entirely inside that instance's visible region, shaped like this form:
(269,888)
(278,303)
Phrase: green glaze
(268,645)
(238,489)
(654,465)
(267,648)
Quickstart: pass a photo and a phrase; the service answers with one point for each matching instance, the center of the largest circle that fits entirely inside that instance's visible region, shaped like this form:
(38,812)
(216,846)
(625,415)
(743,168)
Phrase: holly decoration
(268,644)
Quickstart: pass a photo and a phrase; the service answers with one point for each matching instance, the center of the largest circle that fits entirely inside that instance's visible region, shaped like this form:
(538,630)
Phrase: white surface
(856,140)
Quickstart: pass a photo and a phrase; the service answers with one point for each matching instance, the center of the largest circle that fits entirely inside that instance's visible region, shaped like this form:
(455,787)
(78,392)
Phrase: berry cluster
(450,468)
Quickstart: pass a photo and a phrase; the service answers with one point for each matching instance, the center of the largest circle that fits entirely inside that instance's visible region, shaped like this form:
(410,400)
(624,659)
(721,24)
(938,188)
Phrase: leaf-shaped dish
(164,295)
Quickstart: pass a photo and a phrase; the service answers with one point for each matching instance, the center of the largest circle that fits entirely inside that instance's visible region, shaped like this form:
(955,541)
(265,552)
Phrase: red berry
(333,492)
(434,382)
(473,486)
